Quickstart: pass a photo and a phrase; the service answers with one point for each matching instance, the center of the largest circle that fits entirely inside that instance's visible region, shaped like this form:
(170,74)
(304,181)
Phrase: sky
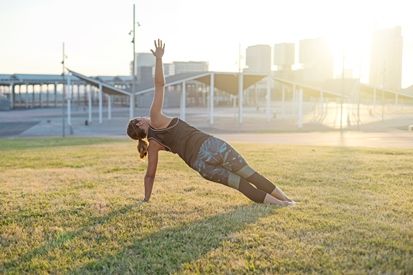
(97,40)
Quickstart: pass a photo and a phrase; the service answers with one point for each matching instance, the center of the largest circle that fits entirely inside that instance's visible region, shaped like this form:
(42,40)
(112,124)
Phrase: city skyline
(98,42)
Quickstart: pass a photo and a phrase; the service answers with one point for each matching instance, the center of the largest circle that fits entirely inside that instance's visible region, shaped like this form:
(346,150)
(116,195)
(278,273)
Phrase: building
(316,60)
(284,59)
(145,74)
(386,59)
(168,69)
(284,56)
(146,71)
(258,59)
(193,88)
(189,66)
(145,63)
(145,60)
(145,66)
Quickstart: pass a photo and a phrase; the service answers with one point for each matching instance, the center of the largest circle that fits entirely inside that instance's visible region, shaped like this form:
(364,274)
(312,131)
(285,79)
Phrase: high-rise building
(316,60)
(258,59)
(284,55)
(386,59)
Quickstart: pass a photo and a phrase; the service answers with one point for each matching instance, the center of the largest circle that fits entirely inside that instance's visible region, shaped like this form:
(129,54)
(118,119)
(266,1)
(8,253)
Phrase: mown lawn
(74,206)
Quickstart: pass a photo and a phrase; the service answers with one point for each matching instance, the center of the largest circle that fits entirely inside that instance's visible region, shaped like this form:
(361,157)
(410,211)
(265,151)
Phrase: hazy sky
(97,40)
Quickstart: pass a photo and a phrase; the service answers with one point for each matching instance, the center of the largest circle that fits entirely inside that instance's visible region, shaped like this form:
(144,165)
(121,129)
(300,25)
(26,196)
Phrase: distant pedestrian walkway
(394,139)
(8,129)
(48,122)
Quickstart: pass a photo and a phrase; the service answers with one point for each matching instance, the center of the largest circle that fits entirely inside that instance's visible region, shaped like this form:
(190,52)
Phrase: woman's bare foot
(269,199)
(279,194)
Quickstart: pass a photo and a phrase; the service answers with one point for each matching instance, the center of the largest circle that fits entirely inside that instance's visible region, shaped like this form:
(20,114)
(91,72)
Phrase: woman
(213,158)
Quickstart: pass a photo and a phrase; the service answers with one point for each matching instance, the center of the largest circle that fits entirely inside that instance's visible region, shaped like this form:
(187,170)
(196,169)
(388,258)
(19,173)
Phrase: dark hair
(136,133)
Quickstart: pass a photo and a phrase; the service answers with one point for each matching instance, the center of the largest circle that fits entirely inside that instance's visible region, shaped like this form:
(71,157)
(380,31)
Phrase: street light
(132,32)
(64,56)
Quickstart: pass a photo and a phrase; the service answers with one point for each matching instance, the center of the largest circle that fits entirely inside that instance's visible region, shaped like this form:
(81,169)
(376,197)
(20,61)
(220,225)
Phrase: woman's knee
(245,171)
(222,176)
(251,192)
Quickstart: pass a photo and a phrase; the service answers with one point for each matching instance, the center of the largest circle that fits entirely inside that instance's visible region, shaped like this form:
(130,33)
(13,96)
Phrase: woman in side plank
(213,158)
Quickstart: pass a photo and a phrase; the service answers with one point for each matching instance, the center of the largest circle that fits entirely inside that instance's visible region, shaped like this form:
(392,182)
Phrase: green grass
(74,206)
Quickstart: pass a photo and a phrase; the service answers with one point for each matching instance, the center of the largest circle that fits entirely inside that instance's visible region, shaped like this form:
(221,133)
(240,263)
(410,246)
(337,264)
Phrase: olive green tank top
(180,138)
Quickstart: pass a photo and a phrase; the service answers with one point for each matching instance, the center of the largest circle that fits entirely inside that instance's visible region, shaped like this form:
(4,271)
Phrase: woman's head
(136,130)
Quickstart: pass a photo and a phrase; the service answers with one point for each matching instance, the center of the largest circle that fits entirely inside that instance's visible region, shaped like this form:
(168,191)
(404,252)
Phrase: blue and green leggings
(217,161)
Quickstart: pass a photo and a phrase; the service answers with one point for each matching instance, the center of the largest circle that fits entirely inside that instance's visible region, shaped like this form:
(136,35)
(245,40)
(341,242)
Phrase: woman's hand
(159,48)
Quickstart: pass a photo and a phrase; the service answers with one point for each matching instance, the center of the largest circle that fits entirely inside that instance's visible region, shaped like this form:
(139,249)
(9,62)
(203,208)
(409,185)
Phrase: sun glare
(350,51)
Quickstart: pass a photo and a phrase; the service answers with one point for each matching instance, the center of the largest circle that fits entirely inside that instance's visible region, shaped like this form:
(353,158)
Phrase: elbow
(149,177)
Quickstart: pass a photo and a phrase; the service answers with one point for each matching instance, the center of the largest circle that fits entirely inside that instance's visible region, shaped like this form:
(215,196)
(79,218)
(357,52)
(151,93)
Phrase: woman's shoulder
(167,123)
(154,145)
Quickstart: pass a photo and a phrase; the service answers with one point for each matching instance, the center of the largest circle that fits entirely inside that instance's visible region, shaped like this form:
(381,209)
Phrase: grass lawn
(74,205)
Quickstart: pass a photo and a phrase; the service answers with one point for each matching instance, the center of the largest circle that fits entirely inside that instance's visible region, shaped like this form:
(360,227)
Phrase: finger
(163,48)
(159,42)
(152,52)
(154,42)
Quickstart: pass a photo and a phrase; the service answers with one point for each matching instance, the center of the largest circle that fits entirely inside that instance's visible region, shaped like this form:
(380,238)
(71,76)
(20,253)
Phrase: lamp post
(63,90)
(133,32)
(134,62)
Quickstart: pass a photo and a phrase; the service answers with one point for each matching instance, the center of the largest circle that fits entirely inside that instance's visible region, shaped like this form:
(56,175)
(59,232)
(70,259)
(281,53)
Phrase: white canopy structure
(103,89)
(231,82)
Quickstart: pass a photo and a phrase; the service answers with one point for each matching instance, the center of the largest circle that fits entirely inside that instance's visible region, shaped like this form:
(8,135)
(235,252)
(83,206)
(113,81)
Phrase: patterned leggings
(217,161)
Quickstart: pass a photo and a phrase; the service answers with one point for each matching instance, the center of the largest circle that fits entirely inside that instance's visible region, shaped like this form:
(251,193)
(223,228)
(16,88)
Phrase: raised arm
(158,119)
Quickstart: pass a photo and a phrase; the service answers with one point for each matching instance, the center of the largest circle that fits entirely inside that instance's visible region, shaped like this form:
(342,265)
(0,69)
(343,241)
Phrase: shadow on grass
(166,251)
(64,238)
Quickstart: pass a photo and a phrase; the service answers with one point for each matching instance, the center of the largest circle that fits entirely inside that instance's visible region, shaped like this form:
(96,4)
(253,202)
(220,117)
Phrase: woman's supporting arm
(151,170)
(148,187)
